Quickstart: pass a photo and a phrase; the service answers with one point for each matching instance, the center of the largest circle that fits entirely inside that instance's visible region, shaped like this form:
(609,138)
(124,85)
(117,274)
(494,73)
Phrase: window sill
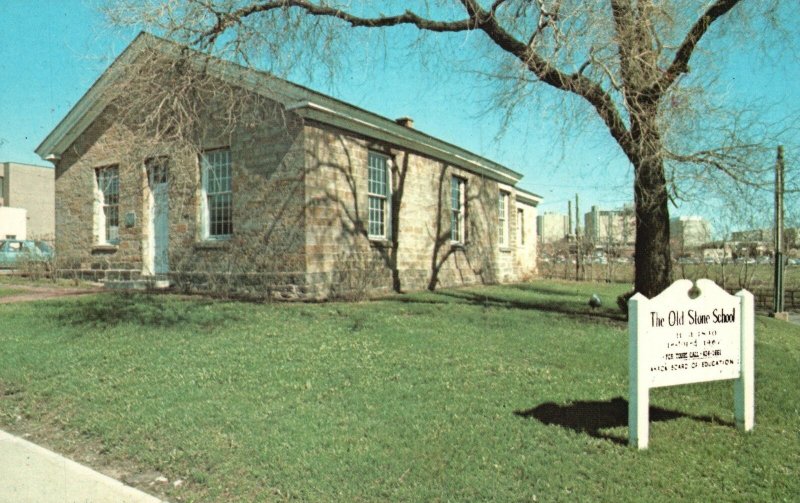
(505,249)
(107,248)
(457,245)
(379,242)
(219,244)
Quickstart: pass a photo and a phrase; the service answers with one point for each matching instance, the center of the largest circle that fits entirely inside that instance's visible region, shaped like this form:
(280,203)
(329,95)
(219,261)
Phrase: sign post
(677,338)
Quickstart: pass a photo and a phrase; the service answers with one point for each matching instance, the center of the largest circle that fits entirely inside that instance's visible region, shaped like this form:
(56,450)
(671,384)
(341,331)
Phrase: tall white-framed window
(107,205)
(378,194)
(502,218)
(458,209)
(520,227)
(217,198)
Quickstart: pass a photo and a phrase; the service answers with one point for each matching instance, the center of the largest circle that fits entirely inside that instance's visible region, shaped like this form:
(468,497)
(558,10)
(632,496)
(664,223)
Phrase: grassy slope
(505,394)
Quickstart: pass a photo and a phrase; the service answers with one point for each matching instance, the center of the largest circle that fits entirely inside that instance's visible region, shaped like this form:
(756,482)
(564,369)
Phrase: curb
(31,473)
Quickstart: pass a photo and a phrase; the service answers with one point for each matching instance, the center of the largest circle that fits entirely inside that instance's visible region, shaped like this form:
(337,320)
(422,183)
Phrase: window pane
(377,175)
(457,209)
(376,216)
(378,190)
(220,223)
(219,197)
(112,223)
(502,220)
(455,193)
(157,170)
(108,185)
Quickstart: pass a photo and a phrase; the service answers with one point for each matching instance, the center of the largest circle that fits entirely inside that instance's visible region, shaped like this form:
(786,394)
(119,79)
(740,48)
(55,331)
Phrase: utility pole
(779,291)
(569,221)
(577,239)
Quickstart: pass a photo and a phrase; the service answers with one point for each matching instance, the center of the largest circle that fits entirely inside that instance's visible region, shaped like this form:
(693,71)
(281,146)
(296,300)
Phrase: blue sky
(51,51)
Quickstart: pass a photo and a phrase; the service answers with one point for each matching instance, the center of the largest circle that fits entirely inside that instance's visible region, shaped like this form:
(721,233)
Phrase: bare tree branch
(680,63)
(408,17)
(478,18)
(733,162)
(624,58)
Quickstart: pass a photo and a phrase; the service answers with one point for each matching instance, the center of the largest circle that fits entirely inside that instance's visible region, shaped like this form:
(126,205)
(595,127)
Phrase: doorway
(158,218)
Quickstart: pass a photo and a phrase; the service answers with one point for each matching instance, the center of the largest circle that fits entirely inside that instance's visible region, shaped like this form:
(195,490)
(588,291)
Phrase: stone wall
(267,248)
(77,251)
(419,253)
(299,213)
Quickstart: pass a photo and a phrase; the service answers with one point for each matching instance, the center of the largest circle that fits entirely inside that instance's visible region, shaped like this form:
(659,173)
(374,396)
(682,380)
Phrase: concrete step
(138,284)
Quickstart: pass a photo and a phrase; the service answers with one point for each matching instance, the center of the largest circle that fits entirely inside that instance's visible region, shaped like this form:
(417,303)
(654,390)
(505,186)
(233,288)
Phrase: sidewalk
(32,474)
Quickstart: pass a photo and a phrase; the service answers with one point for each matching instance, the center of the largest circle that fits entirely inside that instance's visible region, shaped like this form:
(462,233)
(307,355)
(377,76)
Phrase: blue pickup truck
(15,252)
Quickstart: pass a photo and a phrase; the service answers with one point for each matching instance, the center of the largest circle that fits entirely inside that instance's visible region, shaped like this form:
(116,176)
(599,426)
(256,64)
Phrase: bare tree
(627,61)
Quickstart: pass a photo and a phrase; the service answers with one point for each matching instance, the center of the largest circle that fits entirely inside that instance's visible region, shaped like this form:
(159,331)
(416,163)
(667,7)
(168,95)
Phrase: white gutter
(527,197)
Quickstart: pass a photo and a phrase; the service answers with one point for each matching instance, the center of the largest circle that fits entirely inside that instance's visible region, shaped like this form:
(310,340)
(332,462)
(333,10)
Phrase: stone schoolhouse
(310,197)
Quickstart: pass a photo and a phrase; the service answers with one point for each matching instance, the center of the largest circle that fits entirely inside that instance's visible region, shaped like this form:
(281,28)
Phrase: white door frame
(157,256)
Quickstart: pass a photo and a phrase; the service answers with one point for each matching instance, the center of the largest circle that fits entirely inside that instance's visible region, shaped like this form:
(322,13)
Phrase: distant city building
(13,223)
(717,255)
(752,236)
(611,227)
(689,232)
(31,188)
(767,236)
(552,227)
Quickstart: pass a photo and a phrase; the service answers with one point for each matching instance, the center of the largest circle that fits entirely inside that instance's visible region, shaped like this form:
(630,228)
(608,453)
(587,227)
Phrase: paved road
(32,474)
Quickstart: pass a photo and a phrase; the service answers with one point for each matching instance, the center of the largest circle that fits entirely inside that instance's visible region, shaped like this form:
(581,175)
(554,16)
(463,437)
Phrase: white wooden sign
(676,339)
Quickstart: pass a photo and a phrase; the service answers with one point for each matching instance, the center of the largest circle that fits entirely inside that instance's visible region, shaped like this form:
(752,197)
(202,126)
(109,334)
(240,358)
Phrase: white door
(159,216)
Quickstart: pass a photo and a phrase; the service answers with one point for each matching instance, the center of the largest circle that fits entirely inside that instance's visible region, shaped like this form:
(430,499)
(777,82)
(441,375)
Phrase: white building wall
(526,238)
(552,227)
(13,223)
(33,188)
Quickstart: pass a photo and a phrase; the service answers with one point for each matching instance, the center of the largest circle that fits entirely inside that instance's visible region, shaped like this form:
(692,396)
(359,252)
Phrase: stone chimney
(405,122)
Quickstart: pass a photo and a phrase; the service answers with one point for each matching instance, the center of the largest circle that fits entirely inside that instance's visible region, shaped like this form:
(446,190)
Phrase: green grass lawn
(513,393)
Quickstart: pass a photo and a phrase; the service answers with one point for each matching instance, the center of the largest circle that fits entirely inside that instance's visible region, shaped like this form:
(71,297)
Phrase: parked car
(15,252)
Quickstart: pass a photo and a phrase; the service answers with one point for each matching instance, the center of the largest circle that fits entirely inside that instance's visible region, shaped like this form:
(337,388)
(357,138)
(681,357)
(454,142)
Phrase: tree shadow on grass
(146,310)
(564,291)
(592,417)
(570,307)
(404,299)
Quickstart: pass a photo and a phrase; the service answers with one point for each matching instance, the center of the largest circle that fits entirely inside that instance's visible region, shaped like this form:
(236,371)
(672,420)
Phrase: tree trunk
(652,261)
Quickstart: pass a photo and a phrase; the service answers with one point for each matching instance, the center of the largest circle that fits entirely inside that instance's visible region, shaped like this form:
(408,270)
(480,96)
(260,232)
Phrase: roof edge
(528,197)
(297,98)
(85,110)
(391,132)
